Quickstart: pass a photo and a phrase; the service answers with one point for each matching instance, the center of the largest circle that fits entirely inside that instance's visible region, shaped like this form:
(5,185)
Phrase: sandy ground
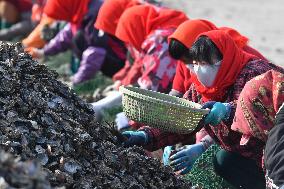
(259,20)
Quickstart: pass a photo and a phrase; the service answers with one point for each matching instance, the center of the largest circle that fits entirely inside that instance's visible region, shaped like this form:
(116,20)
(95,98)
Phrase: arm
(91,63)
(34,39)
(159,139)
(60,43)
(178,83)
(133,74)
(118,76)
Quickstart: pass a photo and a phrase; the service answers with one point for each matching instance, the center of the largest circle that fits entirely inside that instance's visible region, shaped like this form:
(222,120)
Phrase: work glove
(138,138)
(219,112)
(168,150)
(184,159)
(121,121)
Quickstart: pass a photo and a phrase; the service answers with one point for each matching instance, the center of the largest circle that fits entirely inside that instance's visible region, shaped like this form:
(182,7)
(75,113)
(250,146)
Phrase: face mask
(206,74)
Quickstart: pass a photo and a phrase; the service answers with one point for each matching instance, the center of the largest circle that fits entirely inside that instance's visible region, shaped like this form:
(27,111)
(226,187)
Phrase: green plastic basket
(202,174)
(161,111)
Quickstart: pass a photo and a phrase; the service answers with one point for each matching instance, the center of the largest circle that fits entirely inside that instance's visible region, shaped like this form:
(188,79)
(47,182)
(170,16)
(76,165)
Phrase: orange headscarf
(110,12)
(188,31)
(69,10)
(234,59)
(137,22)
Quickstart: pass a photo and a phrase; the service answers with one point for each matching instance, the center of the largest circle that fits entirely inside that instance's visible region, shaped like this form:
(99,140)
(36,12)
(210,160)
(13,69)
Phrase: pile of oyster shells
(42,120)
(18,174)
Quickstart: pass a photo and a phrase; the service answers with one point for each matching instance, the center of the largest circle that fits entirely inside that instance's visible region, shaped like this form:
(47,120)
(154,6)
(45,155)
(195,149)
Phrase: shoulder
(249,71)
(257,67)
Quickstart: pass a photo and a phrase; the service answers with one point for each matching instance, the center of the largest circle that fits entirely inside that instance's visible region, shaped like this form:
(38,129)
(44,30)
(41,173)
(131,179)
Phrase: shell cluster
(47,126)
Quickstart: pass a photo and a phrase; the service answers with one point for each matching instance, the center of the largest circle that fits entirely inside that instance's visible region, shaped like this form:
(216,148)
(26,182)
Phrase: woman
(259,102)
(145,30)
(214,52)
(107,20)
(182,39)
(95,50)
(180,42)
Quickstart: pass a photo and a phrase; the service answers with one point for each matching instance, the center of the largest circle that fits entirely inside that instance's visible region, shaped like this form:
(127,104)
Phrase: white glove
(111,101)
(121,121)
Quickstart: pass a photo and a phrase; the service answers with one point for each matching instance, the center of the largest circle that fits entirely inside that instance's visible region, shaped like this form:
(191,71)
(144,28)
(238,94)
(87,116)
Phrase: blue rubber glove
(138,138)
(219,111)
(208,105)
(166,155)
(184,159)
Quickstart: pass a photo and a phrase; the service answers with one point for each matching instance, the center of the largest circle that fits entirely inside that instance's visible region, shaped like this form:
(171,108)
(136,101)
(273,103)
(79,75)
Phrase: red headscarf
(110,12)
(137,22)
(234,59)
(69,10)
(188,31)
(257,105)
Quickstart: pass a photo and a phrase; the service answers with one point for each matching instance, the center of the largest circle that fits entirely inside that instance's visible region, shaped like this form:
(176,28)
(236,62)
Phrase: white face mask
(206,74)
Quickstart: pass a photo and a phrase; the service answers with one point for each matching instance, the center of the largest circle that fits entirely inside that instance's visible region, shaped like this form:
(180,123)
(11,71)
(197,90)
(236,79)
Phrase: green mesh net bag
(203,175)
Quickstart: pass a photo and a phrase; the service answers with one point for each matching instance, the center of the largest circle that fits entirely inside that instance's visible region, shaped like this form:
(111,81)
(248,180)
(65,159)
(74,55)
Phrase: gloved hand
(208,104)
(219,111)
(166,155)
(138,138)
(184,159)
(121,121)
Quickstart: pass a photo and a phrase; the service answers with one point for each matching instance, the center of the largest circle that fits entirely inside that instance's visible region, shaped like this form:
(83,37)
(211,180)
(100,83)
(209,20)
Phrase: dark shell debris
(49,139)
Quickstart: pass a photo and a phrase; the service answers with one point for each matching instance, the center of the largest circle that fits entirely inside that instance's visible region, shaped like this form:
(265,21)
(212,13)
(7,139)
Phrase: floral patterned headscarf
(258,104)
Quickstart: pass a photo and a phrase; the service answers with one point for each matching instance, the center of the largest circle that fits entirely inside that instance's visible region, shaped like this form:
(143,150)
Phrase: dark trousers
(239,171)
